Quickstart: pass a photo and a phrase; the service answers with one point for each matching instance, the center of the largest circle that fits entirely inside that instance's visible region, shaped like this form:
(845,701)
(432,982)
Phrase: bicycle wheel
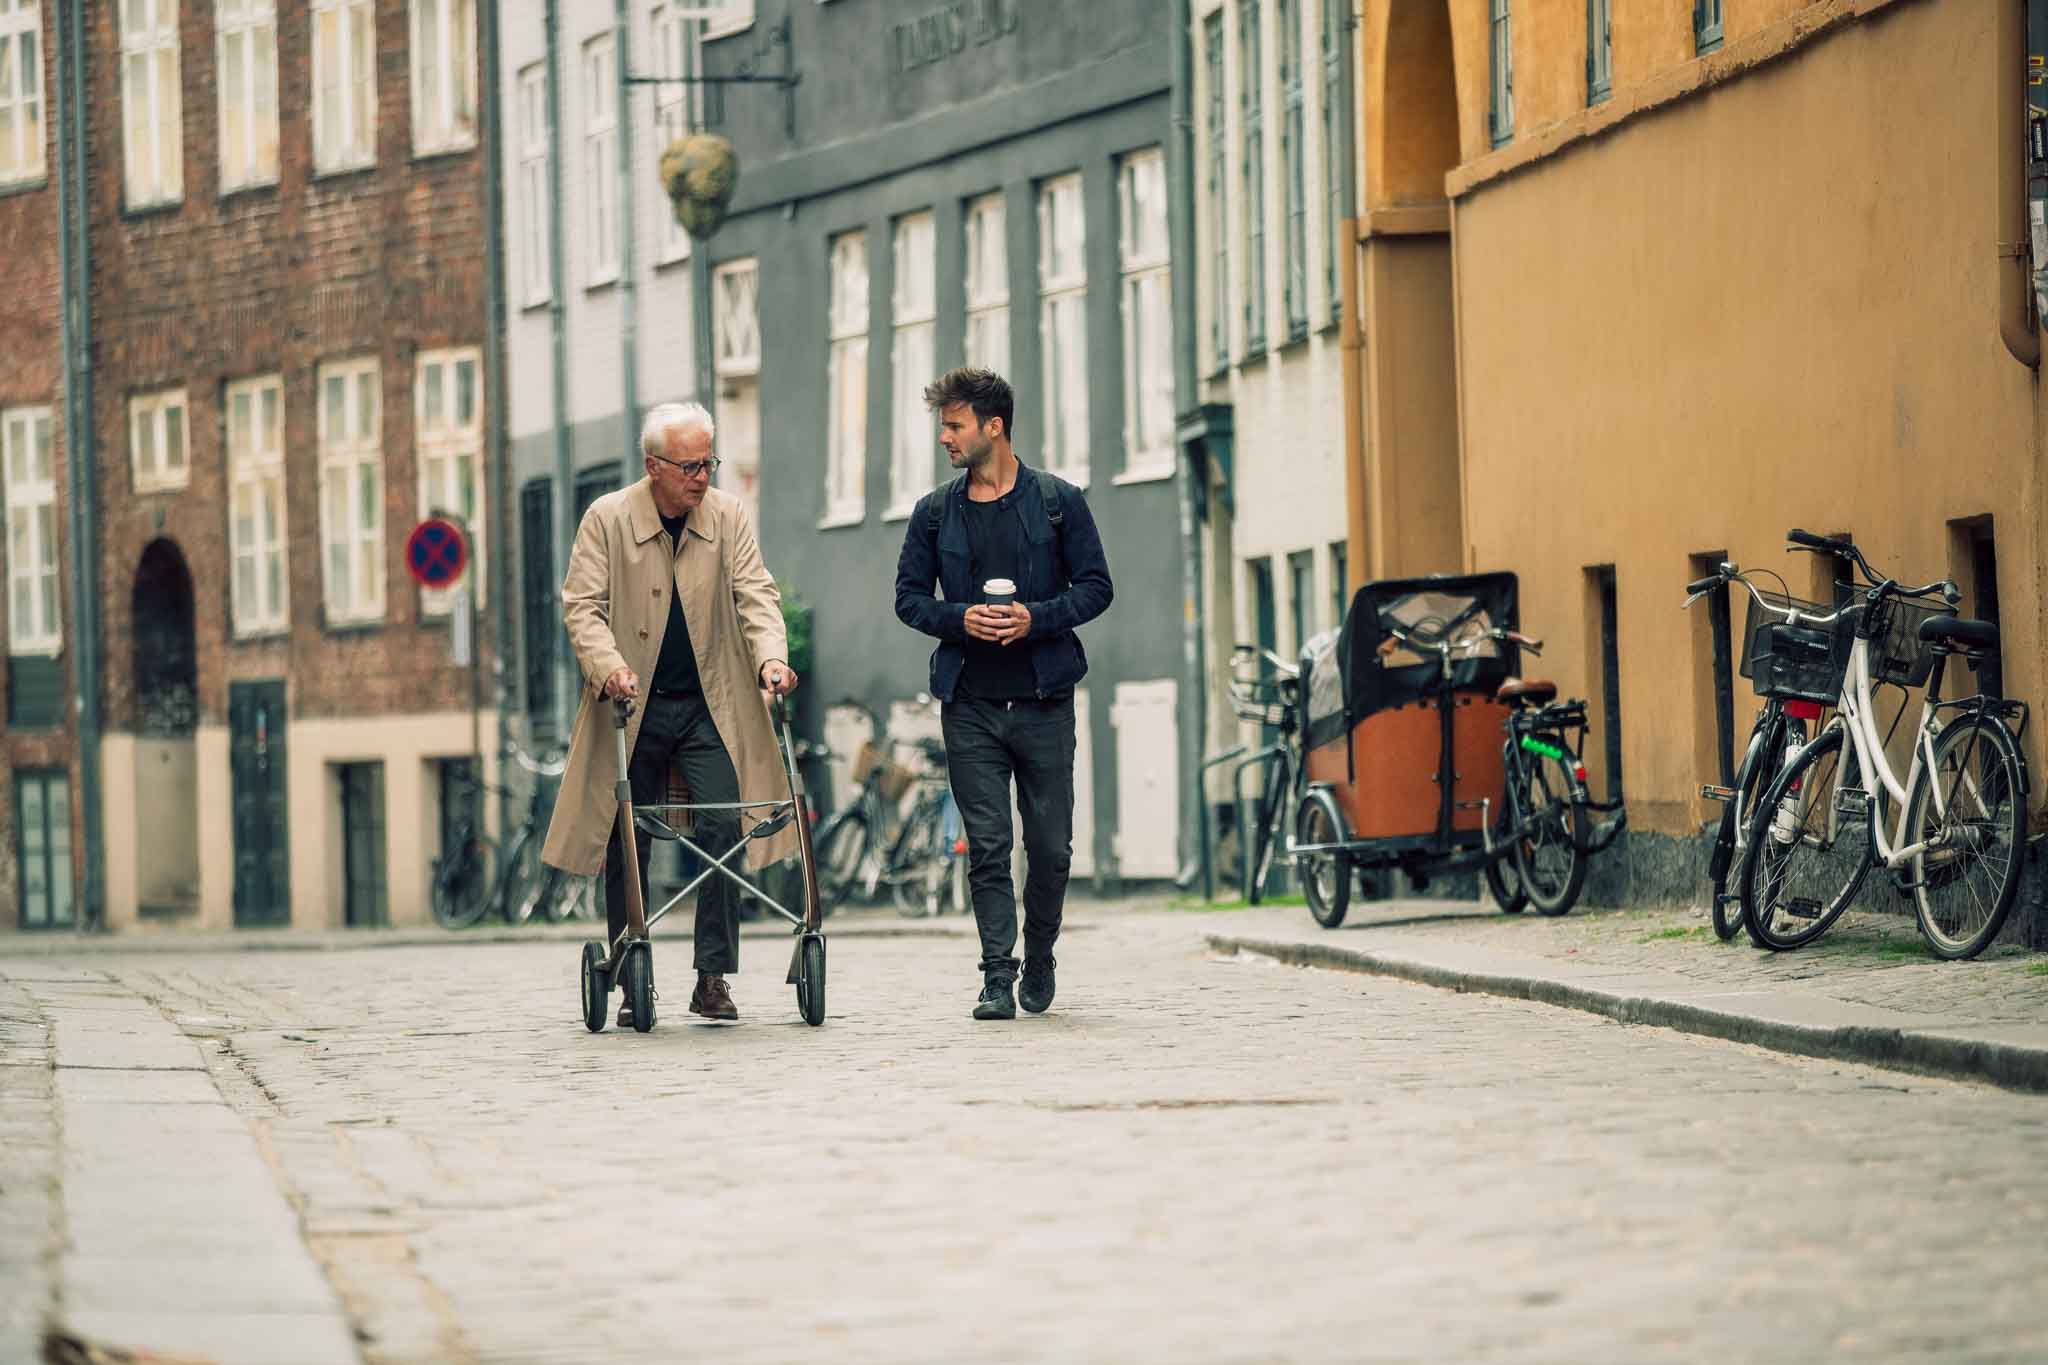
(519,879)
(842,847)
(1325,876)
(1266,831)
(462,883)
(1767,740)
(1809,846)
(1970,809)
(1503,882)
(1551,857)
(918,870)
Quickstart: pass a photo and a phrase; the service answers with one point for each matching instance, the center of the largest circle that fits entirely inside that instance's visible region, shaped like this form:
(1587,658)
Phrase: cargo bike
(1425,752)
(628,962)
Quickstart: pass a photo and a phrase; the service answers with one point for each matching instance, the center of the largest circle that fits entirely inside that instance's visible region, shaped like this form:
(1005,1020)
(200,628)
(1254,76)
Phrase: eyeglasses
(692,468)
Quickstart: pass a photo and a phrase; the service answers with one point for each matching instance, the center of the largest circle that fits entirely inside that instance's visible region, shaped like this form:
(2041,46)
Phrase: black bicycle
(1786,644)
(1264,689)
(471,878)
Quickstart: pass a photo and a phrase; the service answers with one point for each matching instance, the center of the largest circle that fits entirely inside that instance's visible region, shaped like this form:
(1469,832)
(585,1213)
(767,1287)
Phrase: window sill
(749,368)
(663,260)
(152,487)
(833,521)
(263,635)
(249,187)
(535,305)
(357,625)
(53,649)
(1077,476)
(1155,472)
(343,168)
(26,185)
(732,28)
(1254,355)
(441,149)
(899,511)
(155,208)
(607,282)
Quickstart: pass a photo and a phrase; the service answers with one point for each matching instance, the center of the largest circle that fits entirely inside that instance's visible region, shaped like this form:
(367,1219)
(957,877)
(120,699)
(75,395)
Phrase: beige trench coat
(615,604)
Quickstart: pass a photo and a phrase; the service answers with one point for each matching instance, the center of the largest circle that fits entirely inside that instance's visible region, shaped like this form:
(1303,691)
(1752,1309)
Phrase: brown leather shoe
(711,998)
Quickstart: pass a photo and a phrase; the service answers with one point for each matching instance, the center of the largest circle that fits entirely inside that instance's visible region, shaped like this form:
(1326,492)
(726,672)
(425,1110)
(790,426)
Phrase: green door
(256,760)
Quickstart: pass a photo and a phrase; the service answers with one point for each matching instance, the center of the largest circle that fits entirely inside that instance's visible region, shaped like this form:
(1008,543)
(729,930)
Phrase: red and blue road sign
(436,552)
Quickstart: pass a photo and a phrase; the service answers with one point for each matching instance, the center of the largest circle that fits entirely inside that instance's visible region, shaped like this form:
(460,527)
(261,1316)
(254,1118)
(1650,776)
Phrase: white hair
(662,416)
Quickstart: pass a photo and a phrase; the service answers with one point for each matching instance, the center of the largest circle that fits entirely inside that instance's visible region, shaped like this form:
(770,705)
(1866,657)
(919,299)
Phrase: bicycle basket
(1796,662)
(895,779)
(1261,700)
(1897,653)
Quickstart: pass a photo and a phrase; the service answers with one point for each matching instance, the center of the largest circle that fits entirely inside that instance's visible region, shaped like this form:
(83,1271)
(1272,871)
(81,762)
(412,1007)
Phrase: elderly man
(667,601)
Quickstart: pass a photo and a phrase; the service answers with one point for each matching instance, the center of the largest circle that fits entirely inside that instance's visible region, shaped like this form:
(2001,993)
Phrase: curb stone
(1927,1051)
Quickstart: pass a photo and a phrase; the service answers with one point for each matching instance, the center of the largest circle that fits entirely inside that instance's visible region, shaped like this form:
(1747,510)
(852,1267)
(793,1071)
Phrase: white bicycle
(1961,812)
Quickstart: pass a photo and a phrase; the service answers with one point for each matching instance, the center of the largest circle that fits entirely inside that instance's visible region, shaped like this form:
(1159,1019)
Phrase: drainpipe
(629,353)
(2015,301)
(74,247)
(1351,326)
(490,121)
(1194,709)
(568,680)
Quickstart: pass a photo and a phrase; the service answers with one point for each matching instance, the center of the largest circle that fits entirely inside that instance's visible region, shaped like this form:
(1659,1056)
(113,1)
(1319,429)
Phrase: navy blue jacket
(1065,582)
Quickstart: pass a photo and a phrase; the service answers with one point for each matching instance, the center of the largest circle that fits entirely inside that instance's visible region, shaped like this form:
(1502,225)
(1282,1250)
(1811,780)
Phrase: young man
(1004,671)
(667,602)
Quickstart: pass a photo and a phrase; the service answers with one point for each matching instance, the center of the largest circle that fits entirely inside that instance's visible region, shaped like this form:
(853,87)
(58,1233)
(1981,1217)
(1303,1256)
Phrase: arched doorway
(1413,507)
(164,667)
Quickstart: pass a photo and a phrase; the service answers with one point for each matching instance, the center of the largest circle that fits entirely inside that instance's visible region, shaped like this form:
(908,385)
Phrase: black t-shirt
(676,670)
(995,545)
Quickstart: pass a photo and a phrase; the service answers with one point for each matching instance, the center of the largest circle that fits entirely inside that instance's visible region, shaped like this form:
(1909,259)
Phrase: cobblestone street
(417,1153)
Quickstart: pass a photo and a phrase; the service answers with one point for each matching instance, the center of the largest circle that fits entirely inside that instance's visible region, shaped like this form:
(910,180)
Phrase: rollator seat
(1959,630)
(773,825)
(1526,691)
(652,825)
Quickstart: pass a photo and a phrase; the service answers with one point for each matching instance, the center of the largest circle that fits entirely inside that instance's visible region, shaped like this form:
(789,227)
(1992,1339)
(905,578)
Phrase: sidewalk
(1868,991)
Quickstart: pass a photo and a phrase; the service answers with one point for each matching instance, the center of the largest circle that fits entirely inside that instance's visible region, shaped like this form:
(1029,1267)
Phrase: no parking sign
(436,552)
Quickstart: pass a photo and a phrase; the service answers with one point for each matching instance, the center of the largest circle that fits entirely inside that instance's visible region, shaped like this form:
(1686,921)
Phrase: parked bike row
(1804,822)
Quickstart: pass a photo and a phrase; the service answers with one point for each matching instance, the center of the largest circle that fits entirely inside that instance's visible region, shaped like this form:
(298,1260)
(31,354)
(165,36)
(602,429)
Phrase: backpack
(1048,493)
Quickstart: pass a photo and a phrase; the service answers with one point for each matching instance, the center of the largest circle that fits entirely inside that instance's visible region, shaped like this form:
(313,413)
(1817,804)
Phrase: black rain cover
(1373,682)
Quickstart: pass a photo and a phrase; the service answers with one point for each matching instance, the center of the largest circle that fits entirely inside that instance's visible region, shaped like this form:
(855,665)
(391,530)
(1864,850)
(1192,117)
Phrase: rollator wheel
(597,987)
(638,981)
(810,981)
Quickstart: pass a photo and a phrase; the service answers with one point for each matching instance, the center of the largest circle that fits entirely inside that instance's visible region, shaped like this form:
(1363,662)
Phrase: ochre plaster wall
(1770,306)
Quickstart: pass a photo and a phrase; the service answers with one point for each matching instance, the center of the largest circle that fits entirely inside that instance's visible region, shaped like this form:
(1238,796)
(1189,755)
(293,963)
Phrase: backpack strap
(1049,494)
(935,505)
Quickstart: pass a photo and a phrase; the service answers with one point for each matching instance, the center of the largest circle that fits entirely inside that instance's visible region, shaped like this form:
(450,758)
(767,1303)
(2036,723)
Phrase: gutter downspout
(2015,291)
(1194,709)
(499,520)
(74,246)
(1351,326)
(568,681)
(630,462)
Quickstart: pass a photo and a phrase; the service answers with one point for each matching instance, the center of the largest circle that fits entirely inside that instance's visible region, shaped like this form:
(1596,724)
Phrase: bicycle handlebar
(1707,584)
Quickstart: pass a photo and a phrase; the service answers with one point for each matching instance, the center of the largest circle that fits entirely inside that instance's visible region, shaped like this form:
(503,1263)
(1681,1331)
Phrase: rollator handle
(622,711)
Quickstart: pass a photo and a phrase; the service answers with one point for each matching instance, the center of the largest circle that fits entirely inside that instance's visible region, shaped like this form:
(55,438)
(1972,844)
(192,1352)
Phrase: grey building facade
(981,180)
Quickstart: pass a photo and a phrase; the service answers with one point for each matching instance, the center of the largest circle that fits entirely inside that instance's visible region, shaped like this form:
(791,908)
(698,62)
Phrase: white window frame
(24,154)
(601,158)
(988,282)
(736,318)
(530,110)
(678,51)
(352,144)
(449,442)
(913,359)
(443,89)
(151,90)
(351,481)
(257,470)
(1063,292)
(248,106)
(1146,299)
(152,418)
(28,481)
(846,441)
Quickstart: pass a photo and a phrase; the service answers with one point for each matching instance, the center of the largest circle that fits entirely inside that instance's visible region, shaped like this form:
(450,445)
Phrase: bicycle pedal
(1710,792)
(1802,907)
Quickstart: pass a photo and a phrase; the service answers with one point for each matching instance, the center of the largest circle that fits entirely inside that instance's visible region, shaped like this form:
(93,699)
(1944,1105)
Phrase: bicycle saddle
(1526,691)
(1959,630)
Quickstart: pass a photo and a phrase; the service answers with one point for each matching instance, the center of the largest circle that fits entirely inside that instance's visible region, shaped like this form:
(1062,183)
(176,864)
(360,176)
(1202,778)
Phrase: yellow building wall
(1770,306)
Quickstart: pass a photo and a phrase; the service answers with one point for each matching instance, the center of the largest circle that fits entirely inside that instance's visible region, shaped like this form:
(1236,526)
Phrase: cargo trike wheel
(1325,875)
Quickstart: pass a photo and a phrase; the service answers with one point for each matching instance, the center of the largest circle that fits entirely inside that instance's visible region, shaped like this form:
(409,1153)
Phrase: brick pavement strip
(1868,991)
(1192,1157)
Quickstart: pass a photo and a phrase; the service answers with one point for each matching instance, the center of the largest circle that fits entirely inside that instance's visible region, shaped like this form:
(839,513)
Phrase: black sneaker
(995,1002)
(1034,991)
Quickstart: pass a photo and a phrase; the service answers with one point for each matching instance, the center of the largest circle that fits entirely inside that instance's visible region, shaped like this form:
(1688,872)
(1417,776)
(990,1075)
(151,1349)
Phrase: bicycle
(1269,700)
(464,888)
(1785,658)
(1961,811)
(926,865)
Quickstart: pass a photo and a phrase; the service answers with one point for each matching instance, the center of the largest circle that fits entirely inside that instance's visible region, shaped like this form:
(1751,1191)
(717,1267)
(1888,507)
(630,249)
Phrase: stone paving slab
(1867,991)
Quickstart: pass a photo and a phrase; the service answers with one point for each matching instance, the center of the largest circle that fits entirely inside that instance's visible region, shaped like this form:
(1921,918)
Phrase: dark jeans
(680,730)
(987,742)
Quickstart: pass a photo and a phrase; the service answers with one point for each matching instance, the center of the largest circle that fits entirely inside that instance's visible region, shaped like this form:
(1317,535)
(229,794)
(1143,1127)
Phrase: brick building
(38,778)
(290,367)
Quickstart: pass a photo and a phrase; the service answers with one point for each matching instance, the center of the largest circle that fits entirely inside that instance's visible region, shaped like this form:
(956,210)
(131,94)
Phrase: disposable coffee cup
(998,592)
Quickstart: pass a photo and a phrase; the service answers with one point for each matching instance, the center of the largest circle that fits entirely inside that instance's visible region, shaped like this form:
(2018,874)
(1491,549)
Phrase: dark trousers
(680,730)
(987,743)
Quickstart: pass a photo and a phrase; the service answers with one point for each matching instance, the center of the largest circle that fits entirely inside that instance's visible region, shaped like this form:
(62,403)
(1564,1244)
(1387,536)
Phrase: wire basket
(1796,662)
(1263,701)
(895,779)
(1897,653)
